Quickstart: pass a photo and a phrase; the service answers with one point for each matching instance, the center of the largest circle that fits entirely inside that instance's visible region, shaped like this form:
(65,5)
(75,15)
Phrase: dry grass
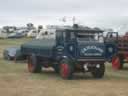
(16,81)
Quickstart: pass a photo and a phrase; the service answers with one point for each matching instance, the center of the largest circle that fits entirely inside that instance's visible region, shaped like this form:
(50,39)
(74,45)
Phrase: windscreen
(90,36)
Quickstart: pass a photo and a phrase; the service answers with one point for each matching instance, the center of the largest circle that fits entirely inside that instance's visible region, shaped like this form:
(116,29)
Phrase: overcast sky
(91,12)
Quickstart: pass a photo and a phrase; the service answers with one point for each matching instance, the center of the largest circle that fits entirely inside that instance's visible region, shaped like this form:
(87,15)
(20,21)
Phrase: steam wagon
(121,56)
(76,49)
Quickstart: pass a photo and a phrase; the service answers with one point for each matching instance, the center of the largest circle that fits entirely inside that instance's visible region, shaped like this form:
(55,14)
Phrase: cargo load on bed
(43,47)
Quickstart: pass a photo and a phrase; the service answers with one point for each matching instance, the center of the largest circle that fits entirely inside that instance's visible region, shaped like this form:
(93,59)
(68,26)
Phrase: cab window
(70,36)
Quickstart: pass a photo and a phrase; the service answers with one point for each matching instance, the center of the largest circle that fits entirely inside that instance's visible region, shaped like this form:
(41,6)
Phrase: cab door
(111,42)
(71,45)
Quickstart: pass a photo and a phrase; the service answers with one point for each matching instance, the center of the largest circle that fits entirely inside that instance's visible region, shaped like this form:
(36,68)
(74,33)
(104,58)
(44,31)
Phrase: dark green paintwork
(39,47)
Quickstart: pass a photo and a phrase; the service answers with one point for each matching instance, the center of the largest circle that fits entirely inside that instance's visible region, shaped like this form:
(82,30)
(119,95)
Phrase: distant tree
(6,28)
(40,27)
(30,26)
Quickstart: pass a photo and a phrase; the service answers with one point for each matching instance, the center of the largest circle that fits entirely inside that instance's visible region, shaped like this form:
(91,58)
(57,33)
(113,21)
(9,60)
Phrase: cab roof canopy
(81,29)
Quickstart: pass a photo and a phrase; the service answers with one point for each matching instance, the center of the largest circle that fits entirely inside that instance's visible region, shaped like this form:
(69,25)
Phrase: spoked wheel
(33,64)
(66,70)
(116,63)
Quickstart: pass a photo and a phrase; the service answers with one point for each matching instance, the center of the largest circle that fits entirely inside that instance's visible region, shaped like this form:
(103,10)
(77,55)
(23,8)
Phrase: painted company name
(84,50)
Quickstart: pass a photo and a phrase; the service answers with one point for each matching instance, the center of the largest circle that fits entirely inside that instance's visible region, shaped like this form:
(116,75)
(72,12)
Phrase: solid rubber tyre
(66,70)
(33,64)
(99,72)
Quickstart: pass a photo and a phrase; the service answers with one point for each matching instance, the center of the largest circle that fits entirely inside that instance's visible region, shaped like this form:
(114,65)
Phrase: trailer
(121,54)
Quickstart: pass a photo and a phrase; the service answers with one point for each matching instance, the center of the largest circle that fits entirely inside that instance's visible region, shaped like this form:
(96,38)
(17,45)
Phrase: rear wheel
(98,71)
(66,70)
(33,64)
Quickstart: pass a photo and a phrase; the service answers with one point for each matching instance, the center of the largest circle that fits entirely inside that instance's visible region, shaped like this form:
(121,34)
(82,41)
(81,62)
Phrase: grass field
(15,80)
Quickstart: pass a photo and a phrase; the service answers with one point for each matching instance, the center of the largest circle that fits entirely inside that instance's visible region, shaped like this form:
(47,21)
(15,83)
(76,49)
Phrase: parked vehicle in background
(32,33)
(72,50)
(23,32)
(6,30)
(3,34)
(9,29)
(13,53)
(16,35)
(46,33)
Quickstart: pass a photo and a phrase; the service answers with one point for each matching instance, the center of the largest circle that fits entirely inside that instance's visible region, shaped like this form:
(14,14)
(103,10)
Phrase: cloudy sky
(104,13)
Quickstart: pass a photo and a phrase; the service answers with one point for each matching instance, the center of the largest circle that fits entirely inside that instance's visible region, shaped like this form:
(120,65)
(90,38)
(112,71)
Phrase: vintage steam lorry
(76,49)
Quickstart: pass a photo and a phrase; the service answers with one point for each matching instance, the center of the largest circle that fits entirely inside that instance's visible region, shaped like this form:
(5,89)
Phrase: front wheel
(66,70)
(98,71)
